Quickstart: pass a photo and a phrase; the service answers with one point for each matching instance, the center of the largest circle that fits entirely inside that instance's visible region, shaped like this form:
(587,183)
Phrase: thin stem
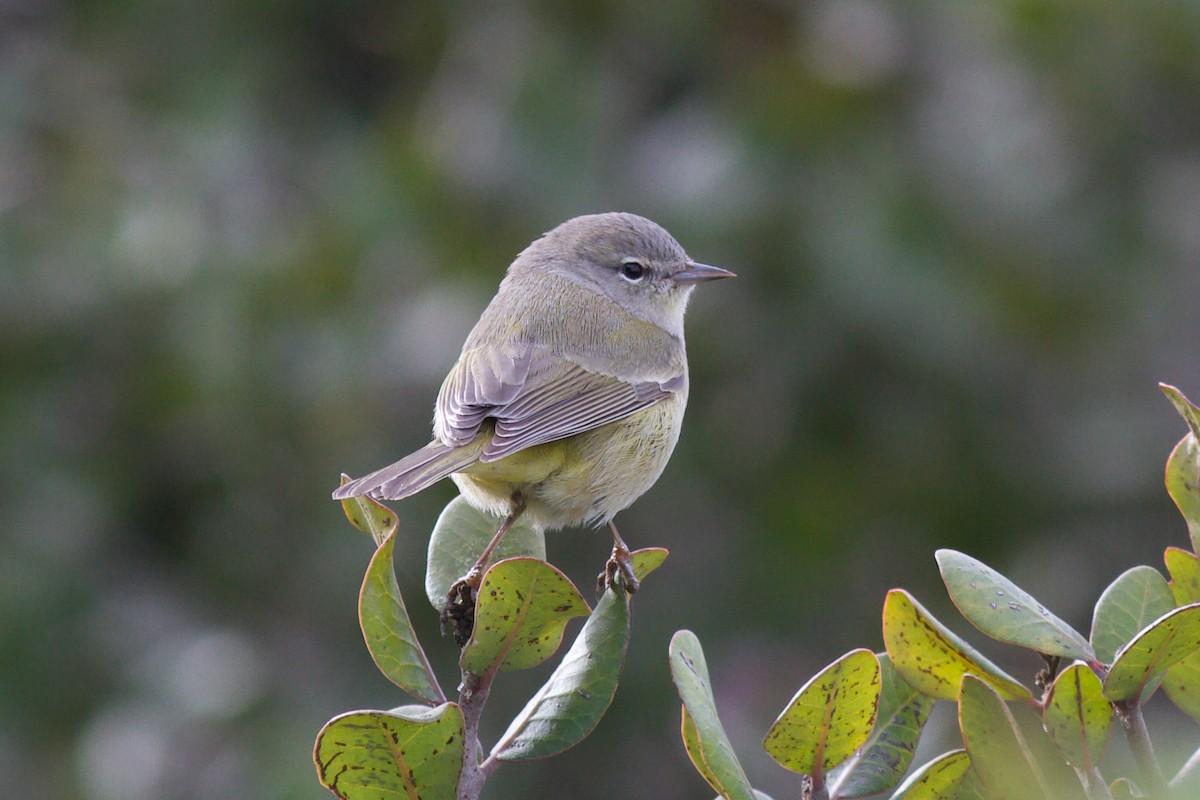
(472,697)
(1093,783)
(1142,749)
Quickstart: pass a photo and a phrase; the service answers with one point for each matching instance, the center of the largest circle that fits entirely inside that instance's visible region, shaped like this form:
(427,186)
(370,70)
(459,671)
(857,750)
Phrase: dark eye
(632,271)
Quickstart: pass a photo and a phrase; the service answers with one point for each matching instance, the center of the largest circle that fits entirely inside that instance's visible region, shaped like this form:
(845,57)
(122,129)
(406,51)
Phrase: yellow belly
(588,477)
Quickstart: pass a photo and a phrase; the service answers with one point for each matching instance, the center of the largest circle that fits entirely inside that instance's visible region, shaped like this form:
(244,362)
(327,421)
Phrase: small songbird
(568,397)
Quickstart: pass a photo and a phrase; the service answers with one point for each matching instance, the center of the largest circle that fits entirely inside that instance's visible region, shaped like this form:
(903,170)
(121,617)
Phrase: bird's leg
(619,568)
(460,601)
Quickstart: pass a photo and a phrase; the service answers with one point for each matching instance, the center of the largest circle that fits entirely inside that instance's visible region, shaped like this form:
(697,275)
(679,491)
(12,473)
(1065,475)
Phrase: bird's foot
(618,572)
(459,612)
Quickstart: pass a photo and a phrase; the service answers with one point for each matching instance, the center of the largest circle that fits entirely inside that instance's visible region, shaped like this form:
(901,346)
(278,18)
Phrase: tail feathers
(412,473)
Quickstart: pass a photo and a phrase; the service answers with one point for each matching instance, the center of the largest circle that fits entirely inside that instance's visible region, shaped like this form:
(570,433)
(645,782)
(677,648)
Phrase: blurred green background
(241,243)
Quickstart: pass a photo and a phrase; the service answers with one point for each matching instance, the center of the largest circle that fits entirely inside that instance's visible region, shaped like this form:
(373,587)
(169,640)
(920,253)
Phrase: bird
(567,399)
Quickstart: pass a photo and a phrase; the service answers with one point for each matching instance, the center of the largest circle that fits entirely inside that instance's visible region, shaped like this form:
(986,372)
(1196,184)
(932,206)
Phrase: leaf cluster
(432,750)
(851,731)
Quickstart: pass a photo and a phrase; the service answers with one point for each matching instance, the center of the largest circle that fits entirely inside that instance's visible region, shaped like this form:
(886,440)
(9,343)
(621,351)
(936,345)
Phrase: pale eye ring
(633,271)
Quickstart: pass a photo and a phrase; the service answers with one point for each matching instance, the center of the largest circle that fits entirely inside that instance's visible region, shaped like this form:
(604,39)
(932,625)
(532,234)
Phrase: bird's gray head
(627,258)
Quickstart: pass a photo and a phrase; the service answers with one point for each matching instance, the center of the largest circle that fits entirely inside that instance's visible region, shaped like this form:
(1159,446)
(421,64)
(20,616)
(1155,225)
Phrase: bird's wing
(535,396)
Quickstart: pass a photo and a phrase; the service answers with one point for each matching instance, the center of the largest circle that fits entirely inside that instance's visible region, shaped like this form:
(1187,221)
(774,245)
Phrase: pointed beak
(698,273)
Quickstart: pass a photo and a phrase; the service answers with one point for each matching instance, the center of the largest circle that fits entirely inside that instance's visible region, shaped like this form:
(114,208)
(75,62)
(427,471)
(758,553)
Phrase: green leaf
(1140,664)
(1004,611)
(1182,685)
(938,779)
(882,761)
(388,631)
(1078,717)
(459,536)
(703,736)
(524,604)
(829,718)
(1184,568)
(1130,603)
(381,755)
(572,701)
(369,515)
(1011,762)
(931,657)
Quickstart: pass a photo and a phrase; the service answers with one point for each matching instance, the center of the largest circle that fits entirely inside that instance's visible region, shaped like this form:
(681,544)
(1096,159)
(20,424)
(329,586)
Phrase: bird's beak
(697,273)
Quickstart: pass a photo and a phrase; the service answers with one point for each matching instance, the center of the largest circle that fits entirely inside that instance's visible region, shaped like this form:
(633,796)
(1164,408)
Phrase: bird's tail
(412,473)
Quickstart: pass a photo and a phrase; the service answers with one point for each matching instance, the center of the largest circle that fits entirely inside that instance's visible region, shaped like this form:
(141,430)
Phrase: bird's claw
(618,572)
(459,612)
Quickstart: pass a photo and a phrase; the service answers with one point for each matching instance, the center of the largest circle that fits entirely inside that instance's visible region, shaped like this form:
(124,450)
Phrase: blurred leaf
(1185,407)
(937,779)
(1078,717)
(931,657)
(1125,789)
(971,788)
(1004,611)
(1182,467)
(388,631)
(882,761)
(459,536)
(1184,568)
(524,604)
(369,515)
(1012,763)
(703,736)
(1182,685)
(1130,603)
(379,755)
(571,702)
(829,718)
(1186,782)
(1141,663)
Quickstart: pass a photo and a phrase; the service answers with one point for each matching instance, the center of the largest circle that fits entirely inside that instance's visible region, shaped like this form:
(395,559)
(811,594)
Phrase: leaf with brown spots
(524,605)
(409,752)
(829,718)
(931,657)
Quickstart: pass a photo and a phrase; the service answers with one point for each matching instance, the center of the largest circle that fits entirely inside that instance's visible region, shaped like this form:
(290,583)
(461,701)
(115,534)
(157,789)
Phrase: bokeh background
(241,243)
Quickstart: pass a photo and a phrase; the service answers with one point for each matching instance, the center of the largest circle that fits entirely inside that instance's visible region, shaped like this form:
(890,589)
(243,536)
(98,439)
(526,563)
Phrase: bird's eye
(633,271)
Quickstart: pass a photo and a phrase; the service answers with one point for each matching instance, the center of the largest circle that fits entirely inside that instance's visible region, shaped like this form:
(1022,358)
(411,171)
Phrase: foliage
(851,731)
(521,612)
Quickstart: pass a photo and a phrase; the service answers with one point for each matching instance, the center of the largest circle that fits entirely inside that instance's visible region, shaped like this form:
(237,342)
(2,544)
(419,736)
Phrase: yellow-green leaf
(1182,685)
(882,761)
(704,738)
(931,657)
(1078,717)
(388,631)
(1163,644)
(647,560)
(829,718)
(1184,568)
(524,605)
(408,752)
(938,779)
(369,515)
